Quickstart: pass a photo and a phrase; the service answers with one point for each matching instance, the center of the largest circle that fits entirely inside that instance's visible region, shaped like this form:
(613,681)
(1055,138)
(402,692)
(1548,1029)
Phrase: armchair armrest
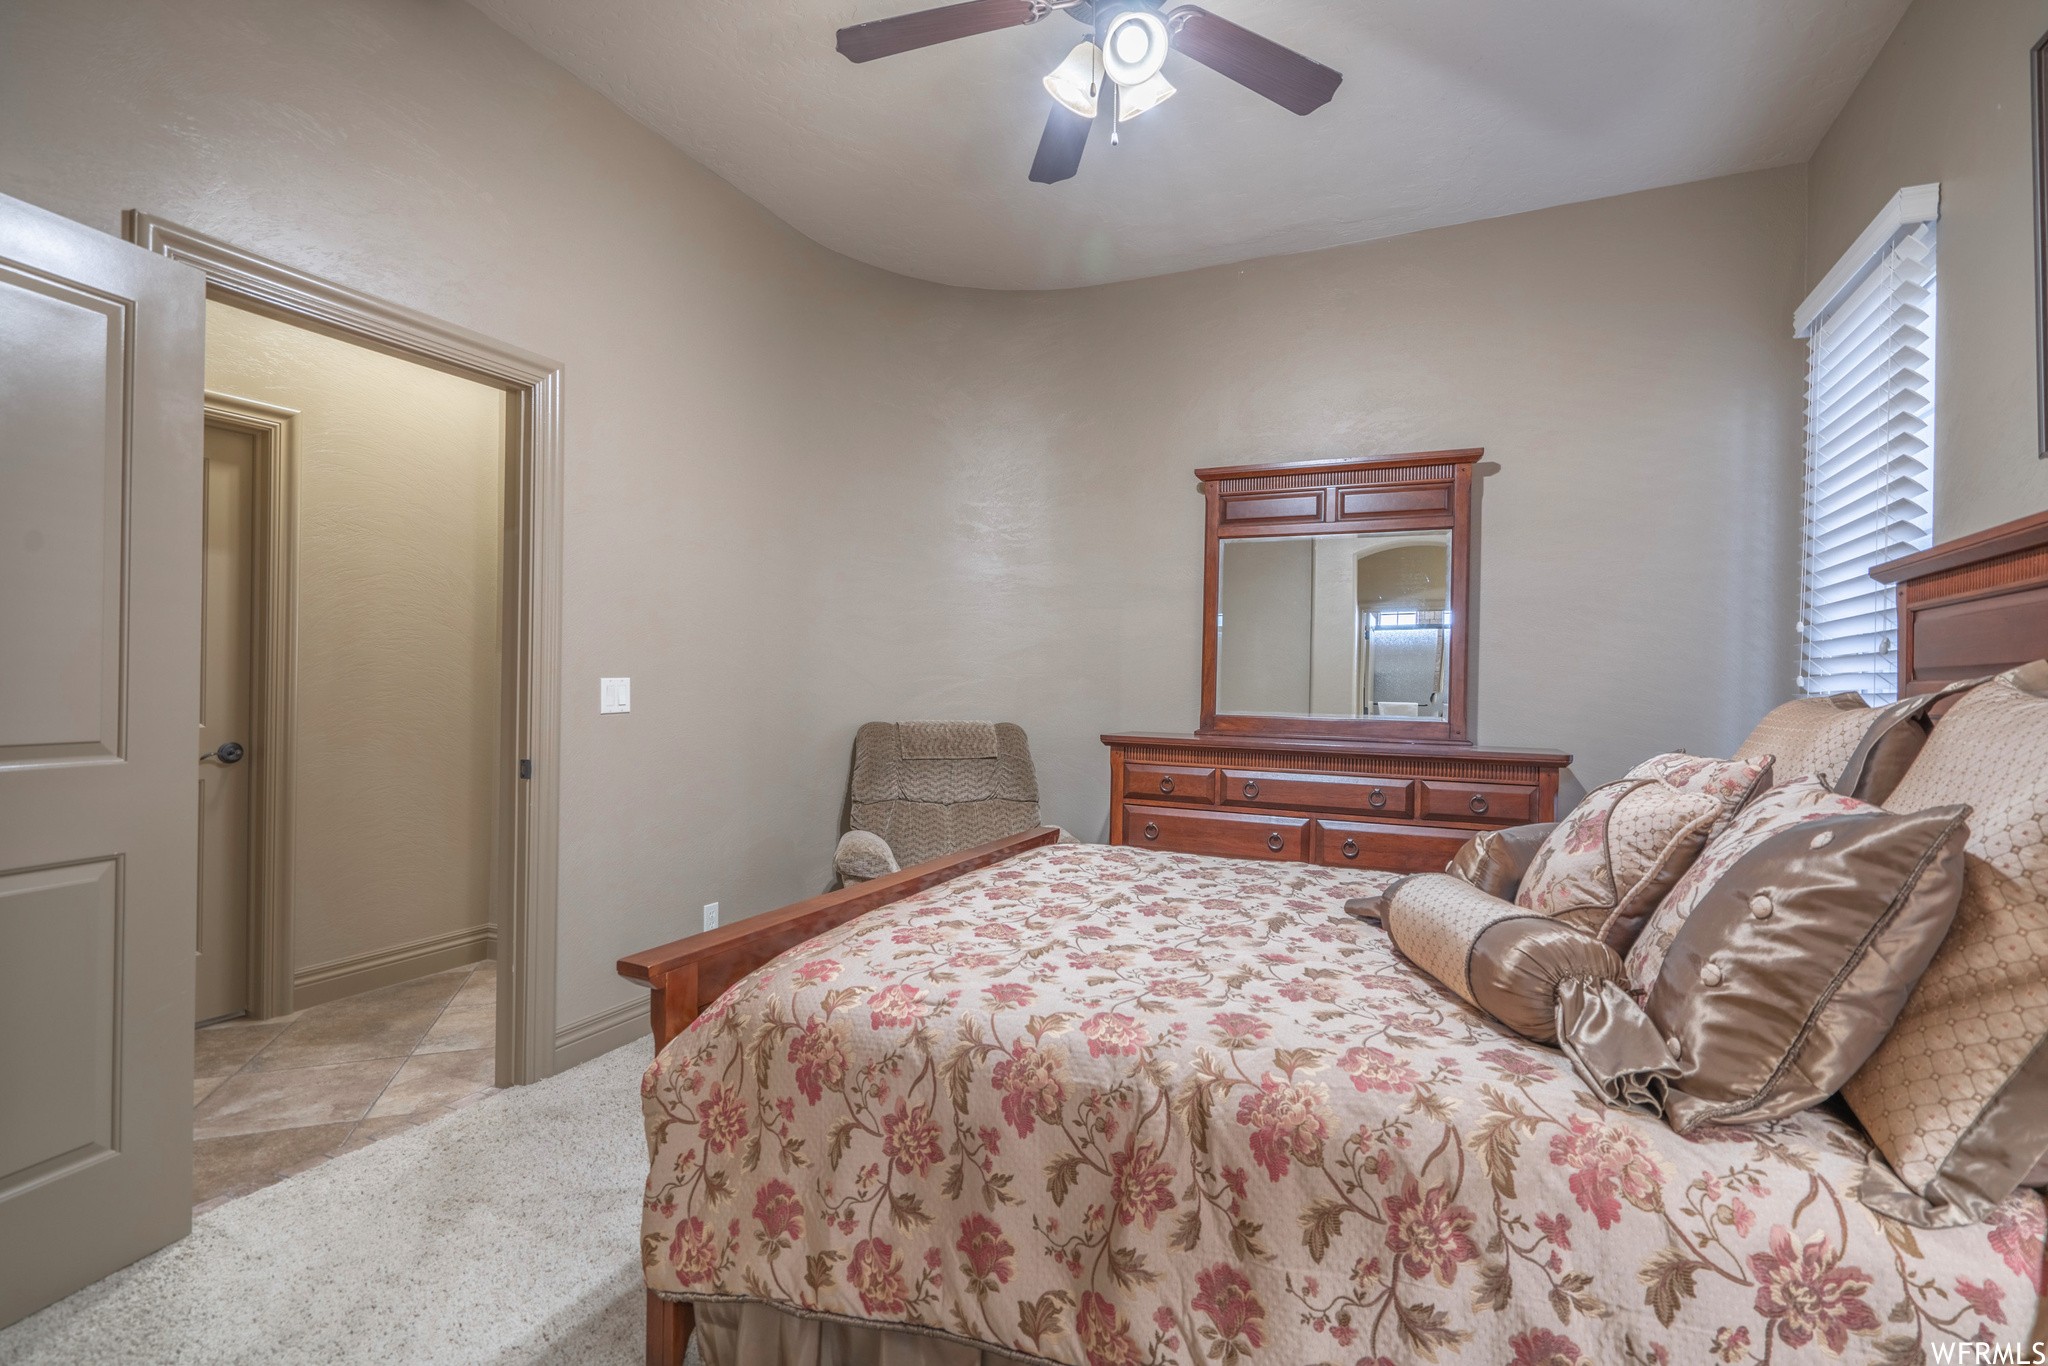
(690,973)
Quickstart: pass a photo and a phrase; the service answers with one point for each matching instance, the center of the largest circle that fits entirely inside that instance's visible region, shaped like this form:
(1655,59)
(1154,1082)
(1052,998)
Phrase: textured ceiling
(1450,111)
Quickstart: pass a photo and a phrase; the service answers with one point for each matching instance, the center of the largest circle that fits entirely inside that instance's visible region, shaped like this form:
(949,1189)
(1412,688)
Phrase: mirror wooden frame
(1424,491)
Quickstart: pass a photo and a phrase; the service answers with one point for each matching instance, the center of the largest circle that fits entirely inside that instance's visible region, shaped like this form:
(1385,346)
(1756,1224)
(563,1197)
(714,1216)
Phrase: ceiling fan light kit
(1134,38)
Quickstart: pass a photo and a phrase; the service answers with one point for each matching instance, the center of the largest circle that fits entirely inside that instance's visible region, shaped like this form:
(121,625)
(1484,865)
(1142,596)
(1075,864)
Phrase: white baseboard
(401,963)
(594,1035)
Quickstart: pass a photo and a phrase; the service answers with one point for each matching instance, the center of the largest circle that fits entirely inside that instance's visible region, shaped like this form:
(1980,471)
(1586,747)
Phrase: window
(1869,450)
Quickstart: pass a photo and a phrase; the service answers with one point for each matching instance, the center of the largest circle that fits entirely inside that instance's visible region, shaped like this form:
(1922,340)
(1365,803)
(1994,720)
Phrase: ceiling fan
(1129,46)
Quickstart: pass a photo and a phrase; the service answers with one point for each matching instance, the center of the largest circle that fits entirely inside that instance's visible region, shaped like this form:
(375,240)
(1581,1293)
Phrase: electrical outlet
(711,915)
(614,694)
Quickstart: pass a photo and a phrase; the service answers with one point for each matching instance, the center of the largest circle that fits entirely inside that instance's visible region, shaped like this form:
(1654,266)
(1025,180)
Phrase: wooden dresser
(1403,808)
(1305,751)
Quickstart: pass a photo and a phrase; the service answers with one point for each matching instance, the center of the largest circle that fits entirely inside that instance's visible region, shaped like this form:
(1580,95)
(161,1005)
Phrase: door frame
(273,691)
(526,853)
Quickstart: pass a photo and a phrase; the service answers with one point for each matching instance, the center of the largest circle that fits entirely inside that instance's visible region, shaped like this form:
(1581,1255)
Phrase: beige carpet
(504,1234)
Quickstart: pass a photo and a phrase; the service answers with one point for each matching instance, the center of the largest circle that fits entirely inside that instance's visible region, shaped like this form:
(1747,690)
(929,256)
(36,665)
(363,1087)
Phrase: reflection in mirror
(1354,626)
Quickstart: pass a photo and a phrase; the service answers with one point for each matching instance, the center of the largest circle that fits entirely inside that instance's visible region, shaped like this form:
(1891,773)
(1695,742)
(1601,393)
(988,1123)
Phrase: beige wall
(400,488)
(802,493)
(1948,100)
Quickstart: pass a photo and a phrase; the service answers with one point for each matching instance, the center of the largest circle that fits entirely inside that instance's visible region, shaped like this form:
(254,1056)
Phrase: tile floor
(274,1097)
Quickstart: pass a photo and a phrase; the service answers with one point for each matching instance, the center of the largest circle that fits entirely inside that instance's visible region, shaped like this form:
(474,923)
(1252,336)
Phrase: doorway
(525,858)
(375,633)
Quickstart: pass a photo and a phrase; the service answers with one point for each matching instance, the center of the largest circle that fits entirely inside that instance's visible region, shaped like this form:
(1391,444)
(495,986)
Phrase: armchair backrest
(929,788)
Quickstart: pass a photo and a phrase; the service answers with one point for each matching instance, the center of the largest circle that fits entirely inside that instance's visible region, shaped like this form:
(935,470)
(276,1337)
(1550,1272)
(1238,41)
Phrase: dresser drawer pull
(1273,841)
(1151,831)
(1350,848)
(1377,799)
(1251,789)
(1166,784)
(1479,806)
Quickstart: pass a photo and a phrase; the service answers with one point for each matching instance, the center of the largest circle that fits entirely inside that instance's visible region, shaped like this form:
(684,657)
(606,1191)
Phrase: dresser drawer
(1170,782)
(1504,803)
(1227,833)
(1320,792)
(1389,848)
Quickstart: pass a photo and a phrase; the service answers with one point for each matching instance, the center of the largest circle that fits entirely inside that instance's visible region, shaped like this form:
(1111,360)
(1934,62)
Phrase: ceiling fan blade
(887,37)
(1059,151)
(1258,64)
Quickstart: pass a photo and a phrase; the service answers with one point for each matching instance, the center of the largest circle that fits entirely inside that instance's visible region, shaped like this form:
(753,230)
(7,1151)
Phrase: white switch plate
(711,915)
(614,694)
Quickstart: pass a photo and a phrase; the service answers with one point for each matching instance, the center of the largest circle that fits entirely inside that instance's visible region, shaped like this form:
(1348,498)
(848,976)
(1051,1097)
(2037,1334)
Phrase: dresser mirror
(1352,626)
(1336,595)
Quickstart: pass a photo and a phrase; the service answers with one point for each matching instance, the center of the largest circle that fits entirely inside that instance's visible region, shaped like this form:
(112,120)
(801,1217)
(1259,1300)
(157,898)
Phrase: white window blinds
(1869,466)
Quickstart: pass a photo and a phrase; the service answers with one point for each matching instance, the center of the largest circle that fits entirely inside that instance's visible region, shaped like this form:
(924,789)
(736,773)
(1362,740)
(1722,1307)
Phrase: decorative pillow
(1803,799)
(1956,1098)
(1731,782)
(1788,974)
(1609,862)
(1821,736)
(1495,860)
(1510,963)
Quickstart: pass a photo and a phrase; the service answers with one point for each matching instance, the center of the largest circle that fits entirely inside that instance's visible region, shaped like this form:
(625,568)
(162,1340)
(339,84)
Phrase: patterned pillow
(1609,862)
(1510,963)
(1820,736)
(1732,782)
(1956,1098)
(1803,799)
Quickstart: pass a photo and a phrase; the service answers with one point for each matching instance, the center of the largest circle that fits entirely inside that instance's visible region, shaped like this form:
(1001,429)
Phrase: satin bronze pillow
(1790,971)
(1495,860)
(1519,967)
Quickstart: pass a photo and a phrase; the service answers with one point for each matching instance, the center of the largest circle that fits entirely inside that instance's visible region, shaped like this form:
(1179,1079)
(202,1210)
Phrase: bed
(1096,1105)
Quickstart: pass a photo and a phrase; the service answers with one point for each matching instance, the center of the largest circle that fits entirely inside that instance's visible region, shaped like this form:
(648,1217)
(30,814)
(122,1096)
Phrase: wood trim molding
(1911,205)
(274,694)
(341,977)
(528,859)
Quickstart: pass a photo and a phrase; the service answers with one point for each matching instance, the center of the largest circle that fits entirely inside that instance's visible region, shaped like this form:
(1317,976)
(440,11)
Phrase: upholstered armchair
(922,789)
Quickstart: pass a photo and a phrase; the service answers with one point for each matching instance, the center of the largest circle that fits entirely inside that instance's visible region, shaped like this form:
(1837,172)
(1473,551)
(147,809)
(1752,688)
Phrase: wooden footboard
(690,974)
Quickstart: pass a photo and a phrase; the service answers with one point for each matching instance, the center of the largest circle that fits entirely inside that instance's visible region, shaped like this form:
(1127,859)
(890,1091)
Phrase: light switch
(614,694)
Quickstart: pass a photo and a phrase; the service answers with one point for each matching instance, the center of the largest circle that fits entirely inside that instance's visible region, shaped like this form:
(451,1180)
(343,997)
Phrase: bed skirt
(749,1333)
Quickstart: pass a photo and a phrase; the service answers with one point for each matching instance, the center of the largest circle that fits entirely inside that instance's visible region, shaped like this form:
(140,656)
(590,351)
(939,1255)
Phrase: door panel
(64,352)
(227,588)
(58,998)
(101,377)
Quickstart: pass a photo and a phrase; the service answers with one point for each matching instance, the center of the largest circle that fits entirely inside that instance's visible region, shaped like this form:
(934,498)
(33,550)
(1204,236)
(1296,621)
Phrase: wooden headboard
(1972,606)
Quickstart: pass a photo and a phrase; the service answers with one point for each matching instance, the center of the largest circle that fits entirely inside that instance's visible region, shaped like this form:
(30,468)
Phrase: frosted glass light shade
(1077,81)
(1133,100)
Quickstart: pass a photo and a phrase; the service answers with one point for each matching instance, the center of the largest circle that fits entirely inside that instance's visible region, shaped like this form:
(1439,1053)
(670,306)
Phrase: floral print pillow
(1731,782)
(1802,799)
(1610,860)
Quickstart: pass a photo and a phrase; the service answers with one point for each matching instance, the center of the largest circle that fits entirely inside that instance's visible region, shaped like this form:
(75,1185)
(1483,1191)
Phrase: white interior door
(102,371)
(226,673)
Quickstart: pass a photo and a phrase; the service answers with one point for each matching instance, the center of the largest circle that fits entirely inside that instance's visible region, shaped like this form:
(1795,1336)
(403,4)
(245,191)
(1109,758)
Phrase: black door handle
(1377,799)
(1251,789)
(229,753)
(1350,848)
(1151,831)
(1166,784)
(1479,806)
(1273,841)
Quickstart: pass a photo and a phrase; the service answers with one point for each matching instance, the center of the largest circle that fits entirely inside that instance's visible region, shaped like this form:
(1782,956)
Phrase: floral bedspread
(1107,1106)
